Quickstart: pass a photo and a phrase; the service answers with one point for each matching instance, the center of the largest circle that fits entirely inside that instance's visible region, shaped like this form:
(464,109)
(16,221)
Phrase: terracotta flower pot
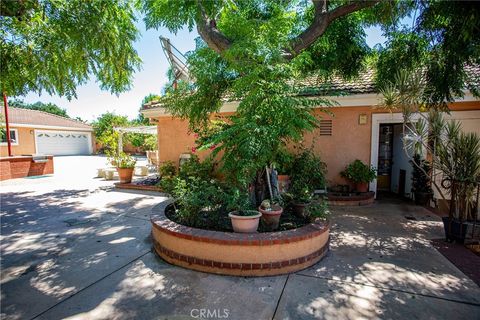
(361,187)
(244,224)
(271,218)
(125,174)
(299,209)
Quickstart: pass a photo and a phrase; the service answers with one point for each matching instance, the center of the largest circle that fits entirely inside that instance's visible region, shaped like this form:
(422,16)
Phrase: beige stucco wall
(349,139)
(26,141)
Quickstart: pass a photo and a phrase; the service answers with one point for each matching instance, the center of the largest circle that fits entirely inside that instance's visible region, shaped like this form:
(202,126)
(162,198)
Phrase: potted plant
(458,158)
(125,166)
(271,213)
(301,198)
(244,219)
(421,188)
(360,174)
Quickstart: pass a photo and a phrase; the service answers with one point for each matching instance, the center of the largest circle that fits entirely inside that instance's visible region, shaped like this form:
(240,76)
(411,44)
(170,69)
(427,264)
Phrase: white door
(62,142)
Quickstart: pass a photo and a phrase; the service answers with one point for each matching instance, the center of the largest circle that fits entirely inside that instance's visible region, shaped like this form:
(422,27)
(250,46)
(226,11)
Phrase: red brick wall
(19,167)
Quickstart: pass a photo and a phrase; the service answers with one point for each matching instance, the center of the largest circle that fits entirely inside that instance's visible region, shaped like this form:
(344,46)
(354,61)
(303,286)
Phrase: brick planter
(361,199)
(259,254)
(24,166)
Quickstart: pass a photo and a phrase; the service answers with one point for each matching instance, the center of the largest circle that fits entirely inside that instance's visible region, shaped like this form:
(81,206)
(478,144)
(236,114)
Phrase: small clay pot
(271,218)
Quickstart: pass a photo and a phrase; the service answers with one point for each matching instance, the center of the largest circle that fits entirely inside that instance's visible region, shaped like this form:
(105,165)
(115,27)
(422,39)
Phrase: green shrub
(307,174)
(194,168)
(283,161)
(167,169)
(317,210)
(124,161)
(196,196)
(358,172)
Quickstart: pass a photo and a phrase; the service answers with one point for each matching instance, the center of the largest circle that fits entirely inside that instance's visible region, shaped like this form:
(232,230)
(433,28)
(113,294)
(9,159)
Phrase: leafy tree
(255,52)
(105,133)
(40,106)
(150,97)
(56,45)
(443,39)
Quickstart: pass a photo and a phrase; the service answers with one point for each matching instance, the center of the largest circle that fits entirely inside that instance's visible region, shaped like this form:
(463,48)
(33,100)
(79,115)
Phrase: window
(13,137)
(325,127)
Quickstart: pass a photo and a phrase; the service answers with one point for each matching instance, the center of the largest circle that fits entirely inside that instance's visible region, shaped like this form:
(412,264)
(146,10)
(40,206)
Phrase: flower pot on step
(125,174)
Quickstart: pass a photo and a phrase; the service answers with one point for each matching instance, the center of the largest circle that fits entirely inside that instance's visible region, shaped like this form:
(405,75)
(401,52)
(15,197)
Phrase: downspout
(7,125)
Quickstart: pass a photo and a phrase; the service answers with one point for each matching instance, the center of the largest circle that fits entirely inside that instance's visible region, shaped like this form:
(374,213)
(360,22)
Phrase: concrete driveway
(73,247)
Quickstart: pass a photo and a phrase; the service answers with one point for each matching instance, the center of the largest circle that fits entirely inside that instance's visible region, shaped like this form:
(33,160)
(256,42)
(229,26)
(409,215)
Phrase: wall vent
(325,127)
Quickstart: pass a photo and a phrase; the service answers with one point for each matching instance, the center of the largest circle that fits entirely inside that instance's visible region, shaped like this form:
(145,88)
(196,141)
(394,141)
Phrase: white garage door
(62,142)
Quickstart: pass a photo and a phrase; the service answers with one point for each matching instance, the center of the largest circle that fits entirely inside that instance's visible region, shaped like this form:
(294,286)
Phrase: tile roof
(363,84)
(41,118)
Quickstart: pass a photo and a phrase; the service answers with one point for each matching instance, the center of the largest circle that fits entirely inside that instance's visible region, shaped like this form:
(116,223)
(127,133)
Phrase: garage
(63,142)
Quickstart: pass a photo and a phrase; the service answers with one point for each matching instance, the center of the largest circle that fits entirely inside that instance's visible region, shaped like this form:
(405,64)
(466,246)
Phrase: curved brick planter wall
(259,254)
(355,200)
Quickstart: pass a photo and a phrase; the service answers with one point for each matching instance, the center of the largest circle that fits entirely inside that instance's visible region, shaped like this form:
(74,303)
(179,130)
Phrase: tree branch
(216,40)
(322,19)
(207,29)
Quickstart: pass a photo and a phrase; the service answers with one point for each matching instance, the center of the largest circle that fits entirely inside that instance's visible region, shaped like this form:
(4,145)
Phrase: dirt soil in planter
(217,220)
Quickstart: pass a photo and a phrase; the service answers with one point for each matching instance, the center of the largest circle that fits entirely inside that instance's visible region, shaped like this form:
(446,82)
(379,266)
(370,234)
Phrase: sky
(91,102)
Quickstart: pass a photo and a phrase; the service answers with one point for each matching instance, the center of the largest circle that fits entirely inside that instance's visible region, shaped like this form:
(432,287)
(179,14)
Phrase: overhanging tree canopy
(254,51)
(54,46)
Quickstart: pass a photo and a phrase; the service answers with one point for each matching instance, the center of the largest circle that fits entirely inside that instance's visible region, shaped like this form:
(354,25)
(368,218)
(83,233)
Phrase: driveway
(73,247)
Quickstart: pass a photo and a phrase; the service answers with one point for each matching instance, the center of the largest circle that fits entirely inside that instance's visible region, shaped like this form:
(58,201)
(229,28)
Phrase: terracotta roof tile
(363,84)
(41,118)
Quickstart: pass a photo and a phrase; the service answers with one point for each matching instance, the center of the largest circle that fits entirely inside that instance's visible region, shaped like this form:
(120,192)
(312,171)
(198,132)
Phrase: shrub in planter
(300,198)
(307,171)
(317,210)
(244,219)
(360,174)
(421,180)
(125,165)
(271,213)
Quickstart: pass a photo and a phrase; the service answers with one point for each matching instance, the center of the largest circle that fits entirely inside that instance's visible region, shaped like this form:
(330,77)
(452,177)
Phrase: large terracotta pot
(125,174)
(271,218)
(299,209)
(361,187)
(244,224)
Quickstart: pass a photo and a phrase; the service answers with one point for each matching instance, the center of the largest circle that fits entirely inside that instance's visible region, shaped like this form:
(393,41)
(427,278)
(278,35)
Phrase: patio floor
(74,247)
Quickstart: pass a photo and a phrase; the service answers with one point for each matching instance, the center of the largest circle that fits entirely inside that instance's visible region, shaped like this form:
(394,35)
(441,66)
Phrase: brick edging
(241,266)
(163,224)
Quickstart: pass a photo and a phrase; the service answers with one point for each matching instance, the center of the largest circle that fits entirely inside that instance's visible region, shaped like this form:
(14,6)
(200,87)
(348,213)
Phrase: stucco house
(38,132)
(358,129)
